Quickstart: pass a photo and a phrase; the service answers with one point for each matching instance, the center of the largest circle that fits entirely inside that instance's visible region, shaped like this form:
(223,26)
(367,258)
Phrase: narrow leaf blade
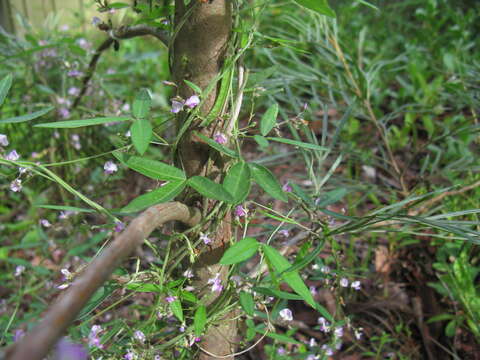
(27,117)
(269,119)
(217,146)
(298,143)
(176,307)
(141,131)
(5,85)
(71,124)
(210,189)
(320,6)
(237,182)
(242,250)
(267,181)
(165,193)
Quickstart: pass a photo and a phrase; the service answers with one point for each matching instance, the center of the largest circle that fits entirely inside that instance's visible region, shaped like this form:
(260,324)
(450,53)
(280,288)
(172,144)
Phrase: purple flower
(64,27)
(284,232)
(3,140)
(96,21)
(170,299)
(328,350)
(355,285)
(64,113)
(313,290)
(220,138)
(343,282)
(286,314)
(192,101)
(126,107)
(281,351)
(73,91)
(140,336)
(324,324)
(18,335)
(19,269)
(84,43)
(110,71)
(93,338)
(12,156)
(76,141)
(16,185)
(286,187)
(130,355)
(75,73)
(110,167)
(66,350)
(188,273)
(216,283)
(204,237)
(240,211)
(45,223)
(338,332)
(119,226)
(177,106)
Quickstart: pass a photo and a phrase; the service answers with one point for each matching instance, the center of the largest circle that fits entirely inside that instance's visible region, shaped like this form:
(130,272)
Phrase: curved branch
(37,342)
(123,32)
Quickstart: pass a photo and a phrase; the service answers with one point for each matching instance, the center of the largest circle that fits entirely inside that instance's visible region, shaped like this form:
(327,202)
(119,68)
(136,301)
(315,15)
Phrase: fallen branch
(37,343)
(123,32)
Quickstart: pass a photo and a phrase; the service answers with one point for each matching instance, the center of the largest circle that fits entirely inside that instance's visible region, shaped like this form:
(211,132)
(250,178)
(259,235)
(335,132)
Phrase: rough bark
(199,51)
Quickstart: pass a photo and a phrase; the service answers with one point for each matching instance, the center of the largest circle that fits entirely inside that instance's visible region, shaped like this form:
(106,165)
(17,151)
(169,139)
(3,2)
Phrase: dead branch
(37,342)
(123,32)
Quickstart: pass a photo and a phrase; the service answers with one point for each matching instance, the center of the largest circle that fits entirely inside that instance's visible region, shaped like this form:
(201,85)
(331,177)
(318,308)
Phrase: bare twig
(123,32)
(37,342)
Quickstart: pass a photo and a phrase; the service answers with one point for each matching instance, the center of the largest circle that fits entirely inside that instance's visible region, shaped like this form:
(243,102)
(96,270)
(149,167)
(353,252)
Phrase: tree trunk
(199,52)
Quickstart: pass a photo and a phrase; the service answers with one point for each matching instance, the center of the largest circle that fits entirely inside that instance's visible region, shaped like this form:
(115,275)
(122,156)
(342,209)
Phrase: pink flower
(192,101)
(140,336)
(188,273)
(177,106)
(240,211)
(73,91)
(119,226)
(220,138)
(286,187)
(216,283)
(12,156)
(3,140)
(64,113)
(170,299)
(130,355)
(204,237)
(16,185)
(19,270)
(45,223)
(286,314)
(110,167)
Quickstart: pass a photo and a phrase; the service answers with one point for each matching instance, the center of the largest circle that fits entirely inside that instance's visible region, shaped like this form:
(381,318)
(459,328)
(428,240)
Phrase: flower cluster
(93,337)
(216,283)
(178,103)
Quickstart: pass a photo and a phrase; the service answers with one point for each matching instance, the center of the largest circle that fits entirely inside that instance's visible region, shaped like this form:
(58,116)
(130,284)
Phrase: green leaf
(320,6)
(246,300)
(141,134)
(64,208)
(217,146)
(27,117)
(194,87)
(298,143)
(267,181)
(141,104)
(331,197)
(276,293)
(5,85)
(199,320)
(151,168)
(70,124)
(237,181)
(118,5)
(176,307)
(269,119)
(165,193)
(280,264)
(144,287)
(210,189)
(283,338)
(240,251)
(263,142)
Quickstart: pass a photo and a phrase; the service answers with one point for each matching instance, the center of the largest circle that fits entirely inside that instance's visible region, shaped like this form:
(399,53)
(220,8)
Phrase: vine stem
(37,343)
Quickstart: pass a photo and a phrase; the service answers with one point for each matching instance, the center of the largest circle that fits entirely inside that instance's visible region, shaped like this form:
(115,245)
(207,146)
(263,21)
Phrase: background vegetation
(382,223)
